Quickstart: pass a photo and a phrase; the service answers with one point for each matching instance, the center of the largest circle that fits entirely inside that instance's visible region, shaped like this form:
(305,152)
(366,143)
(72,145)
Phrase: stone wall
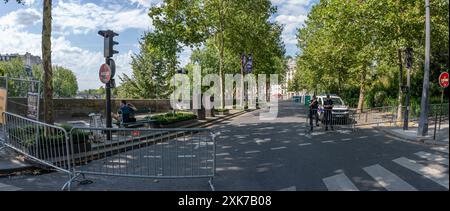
(76,108)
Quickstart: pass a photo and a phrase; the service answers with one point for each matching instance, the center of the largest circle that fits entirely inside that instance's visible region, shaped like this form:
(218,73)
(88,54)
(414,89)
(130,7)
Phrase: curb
(417,140)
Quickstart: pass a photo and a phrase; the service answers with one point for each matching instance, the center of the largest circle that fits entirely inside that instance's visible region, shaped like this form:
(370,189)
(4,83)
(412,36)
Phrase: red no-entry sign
(105,73)
(443,80)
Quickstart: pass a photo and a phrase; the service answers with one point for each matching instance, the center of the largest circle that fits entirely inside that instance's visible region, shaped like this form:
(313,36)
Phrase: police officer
(313,109)
(328,115)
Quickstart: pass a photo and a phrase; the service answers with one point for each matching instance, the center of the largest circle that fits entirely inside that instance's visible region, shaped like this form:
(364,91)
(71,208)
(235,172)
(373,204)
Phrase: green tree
(64,81)
(151,72)
(226,28)
(348,45)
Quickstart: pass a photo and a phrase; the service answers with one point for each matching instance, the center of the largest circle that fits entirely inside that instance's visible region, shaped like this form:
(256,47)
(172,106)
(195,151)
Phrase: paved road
(275,155)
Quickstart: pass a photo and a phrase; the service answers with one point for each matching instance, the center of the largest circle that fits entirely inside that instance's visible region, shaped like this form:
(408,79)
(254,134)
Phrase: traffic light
(109,43)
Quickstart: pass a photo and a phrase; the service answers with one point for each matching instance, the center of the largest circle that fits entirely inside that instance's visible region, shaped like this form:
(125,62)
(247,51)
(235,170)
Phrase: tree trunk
(47,61)
(400,84)
(362,92)
(221,56)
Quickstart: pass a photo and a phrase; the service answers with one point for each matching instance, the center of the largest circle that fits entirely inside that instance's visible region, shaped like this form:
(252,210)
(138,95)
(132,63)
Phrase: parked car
(341,113)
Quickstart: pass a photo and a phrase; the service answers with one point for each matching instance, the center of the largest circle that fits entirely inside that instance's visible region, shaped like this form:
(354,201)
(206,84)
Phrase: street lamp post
(423,124)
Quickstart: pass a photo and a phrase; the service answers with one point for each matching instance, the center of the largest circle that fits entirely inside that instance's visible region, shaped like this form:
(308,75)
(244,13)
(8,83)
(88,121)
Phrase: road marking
(346,139)
(433,157)
(339,182)
(223,154)
(186,156)
(305,144)
(363,137)
(387,179)
(252,152)
(441,149)
(5,187)
(326,142)
(278,148)
(151,156)
(434,174)
(293,188)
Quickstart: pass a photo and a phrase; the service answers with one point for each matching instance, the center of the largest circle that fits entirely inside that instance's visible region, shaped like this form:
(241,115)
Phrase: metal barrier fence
(45,144)
(330,119)
(144,153)
(382,116)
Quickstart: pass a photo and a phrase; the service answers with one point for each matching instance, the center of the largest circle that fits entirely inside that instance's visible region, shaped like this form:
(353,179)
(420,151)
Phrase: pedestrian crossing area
(432,166)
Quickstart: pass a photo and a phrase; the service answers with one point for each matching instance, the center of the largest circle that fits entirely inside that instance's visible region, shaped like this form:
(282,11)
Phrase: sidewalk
(11,162)
(442,136)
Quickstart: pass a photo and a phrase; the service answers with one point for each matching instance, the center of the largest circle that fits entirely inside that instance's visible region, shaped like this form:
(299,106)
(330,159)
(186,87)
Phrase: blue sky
(76,45)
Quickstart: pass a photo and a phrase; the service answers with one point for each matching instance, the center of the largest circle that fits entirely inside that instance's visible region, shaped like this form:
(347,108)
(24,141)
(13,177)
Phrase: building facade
(290,74)
(28,59)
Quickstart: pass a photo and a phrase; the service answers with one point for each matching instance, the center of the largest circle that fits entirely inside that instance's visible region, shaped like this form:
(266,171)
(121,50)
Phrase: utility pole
(409,62)
(423,124)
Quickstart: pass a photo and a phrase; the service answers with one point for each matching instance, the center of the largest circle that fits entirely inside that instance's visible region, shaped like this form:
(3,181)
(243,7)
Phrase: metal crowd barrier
(144,153)
(42,143)
(319,118)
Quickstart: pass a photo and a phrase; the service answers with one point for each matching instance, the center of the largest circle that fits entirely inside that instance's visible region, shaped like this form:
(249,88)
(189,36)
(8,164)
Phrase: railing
(45,144)
(145,153)
(382,116)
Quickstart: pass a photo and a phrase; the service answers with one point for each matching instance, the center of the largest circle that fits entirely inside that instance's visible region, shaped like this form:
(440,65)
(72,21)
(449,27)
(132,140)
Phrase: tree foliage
(351,47)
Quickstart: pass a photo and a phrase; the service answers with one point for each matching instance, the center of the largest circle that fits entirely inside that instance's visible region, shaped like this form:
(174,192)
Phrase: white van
(340,111)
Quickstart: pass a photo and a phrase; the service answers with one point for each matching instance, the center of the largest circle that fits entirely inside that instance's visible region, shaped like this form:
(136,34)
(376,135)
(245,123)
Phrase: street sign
(33,104)
(443,80)
(105,73)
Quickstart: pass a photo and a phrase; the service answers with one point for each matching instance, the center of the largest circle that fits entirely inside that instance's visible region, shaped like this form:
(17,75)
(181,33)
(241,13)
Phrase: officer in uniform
(328,115)
(313,108)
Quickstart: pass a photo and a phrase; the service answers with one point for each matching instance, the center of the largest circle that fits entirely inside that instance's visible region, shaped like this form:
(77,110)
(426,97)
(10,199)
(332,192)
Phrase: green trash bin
(307,100)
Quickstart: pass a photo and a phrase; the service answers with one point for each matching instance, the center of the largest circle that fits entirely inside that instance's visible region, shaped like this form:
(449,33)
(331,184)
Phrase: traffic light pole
(108,100)
(109,52)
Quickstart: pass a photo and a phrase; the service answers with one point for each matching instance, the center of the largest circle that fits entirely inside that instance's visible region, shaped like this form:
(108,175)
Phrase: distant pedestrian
(313,112)
(328,112)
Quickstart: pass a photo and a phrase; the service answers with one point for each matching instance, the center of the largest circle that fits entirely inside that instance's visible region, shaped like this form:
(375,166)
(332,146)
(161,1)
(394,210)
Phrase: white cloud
(80,18)
(146,3)
(292,15)
(20,19)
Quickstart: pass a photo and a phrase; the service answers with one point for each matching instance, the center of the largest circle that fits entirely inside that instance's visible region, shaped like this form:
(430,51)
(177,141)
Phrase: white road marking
(346,139)
(305,144)
(364,137)
(387,179)
(252,152)
(433,157)
(441,149)
(293,188)
(151,156)
(5,187)
(223,154)
(186,156)
(437,175)
(339,182)
(278,148)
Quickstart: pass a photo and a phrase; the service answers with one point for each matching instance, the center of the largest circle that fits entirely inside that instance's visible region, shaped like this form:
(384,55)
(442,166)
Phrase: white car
(341,113)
